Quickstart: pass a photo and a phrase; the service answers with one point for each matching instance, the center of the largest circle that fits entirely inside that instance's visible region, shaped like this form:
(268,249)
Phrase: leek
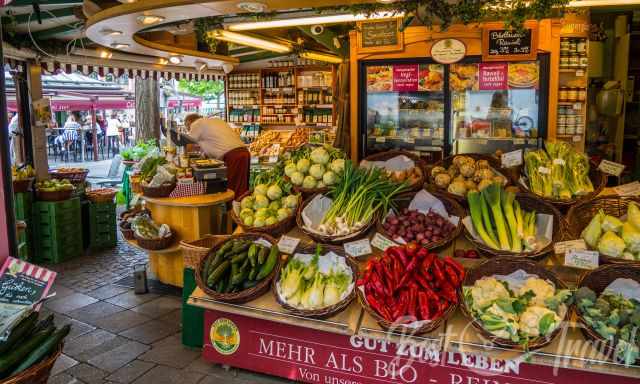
(486,218)
(507,205)
(492,195)
(475,203)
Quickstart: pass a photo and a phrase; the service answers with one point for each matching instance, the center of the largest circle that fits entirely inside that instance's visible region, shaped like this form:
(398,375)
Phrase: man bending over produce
(217,140)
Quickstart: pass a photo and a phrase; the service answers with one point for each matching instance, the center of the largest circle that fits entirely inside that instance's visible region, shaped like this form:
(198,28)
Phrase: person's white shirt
(112,127)
(215,137)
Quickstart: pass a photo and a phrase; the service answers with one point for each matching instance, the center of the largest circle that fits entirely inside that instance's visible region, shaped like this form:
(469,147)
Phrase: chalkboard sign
(499,44)
(379,35)
(22,284)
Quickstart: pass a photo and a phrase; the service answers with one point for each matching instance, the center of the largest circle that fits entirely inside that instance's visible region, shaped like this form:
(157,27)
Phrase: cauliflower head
(541,288)
(538,321)
(487,290)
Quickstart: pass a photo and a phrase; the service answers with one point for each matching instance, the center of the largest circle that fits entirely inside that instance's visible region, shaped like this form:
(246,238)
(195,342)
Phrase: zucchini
(268,265)
(23,328)
(43,324)
(18,354)
(44,350)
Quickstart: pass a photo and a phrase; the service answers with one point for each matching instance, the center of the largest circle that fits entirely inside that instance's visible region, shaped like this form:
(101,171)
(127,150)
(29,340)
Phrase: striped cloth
(192,189)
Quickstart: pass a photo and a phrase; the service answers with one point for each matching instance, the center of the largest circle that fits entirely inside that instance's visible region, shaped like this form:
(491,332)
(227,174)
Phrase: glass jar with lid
(564,46)
(583,61)
(582,94)
(573,45)
(572,94)
(563,95)
(581,46)
(564,62)
(574,61)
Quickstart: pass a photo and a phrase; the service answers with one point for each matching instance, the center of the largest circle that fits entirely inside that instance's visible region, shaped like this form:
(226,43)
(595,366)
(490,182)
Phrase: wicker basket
(136,184)
(528,202)
(38,373)
(306,192)
(581,214)
(274,230)
(452,207)
(129,162)
(162,191)
(494,163)
(598,280)
(247,294)
(599,181)
(322,313)
(323,239)
(22,186)
(384,156)
(104,195)
(54,195)
(505,266)
(154,244)
(127,233)
(73,177)
(194,251)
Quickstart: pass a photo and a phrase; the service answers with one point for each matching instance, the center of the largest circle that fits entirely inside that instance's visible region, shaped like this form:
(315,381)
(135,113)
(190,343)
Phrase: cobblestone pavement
(120,337)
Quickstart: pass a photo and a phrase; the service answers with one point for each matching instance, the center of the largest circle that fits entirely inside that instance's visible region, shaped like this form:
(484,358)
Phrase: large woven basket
(529,202)
(75,177)
(494,163)
(597,280)
(247,294)
(505,266)
(22,186)
(452,207)
(36,374)
(384,156)
(127,233)
(323,239)
(102,195)
(274,230)
(599,181)
(154,244)
(162,191)
(53,195)
(581,214)
(322,313)
(306,192)
(194,251)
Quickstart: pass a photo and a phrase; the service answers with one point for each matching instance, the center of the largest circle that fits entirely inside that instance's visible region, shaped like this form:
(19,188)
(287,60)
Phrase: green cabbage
(271,220)
(337,166)
(291,201)
(329,178)
(320,156)
(260,189)
(247,202)
(297,178)
(591,234)
(283,213)
(274,192)
(316,170)
(258,222)
(289,169)
(611,245)
(309,182)
(303,165)
(275,205)
(631,237)
(248,221)
(261,201)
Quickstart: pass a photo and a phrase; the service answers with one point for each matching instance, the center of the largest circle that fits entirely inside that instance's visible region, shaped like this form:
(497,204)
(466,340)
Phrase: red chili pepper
(422,281)
(377,285)
(381,309)
(413,300)
(423,301)
(399,253)
(401,308)
(427,276)
(456,266)
(448,292)
(397,270)
(411,248)
(437,270)
(452,275)
(422,253)
(428,261)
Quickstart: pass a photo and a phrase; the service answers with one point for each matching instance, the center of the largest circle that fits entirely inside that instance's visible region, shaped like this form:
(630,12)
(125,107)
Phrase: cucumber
(215,263)
(262,255)
(43,324)
(19,331)
(225,247)
(18,354)
(253,254)
(268,265)
(239,258)
(253,273)
(44,350)
(217,273)
(249,284)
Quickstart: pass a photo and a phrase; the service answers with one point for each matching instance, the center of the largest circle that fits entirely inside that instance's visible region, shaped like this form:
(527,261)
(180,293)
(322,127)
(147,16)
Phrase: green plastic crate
(192,317)
(102,225)
(56,226)
(23,206)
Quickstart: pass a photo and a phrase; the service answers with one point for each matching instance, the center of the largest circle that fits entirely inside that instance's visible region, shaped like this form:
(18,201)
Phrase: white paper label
(382,242)
(559,162)
(562,247)
(409,140)
(381,139)
(358,248)
(437,142)
(580,73)
(544,170)
(611,168)
(255,160)
(630,189)
(288,244)
(273,159)
(518,141)
(512,159)
(581,259)
(577,107)
(577,138)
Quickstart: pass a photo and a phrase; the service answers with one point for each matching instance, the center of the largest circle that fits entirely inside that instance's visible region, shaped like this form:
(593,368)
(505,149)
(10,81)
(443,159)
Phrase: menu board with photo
(405,78)
(499,44)
(380,35)
(523,75)
(380,78)
(463,77)
(431,77)
(493,77)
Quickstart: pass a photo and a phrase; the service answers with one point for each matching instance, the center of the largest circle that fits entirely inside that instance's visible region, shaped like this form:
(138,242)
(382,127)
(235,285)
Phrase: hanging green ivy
(205,24)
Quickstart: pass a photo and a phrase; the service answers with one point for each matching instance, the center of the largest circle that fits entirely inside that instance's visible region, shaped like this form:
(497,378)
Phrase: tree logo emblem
(225,336)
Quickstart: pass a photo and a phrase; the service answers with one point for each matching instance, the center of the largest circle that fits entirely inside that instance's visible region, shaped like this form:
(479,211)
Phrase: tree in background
(147,109)
(208,90)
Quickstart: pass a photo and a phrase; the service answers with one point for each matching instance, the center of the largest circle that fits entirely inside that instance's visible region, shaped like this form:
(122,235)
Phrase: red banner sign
(405,78)
(311,356)
(493,77)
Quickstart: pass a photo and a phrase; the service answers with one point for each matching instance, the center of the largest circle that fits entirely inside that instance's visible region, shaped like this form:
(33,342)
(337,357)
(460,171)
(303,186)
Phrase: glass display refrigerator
(467,107)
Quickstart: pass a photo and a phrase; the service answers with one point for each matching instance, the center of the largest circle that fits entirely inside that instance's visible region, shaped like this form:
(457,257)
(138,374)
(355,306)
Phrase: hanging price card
(630,189)
(288,244)
(581,259)
(518,141)
(381,139)
(512,159)
(409,140)
(544,170)
(358,248)
(381,242)
(611,168)
(562,247)
(273,159)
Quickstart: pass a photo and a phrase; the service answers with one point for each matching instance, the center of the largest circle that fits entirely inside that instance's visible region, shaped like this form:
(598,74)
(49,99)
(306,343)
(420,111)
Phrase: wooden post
(38,135)
(94,132)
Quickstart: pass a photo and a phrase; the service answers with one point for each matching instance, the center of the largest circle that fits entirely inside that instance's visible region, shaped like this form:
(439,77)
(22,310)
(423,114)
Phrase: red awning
(82,105)
(189,104)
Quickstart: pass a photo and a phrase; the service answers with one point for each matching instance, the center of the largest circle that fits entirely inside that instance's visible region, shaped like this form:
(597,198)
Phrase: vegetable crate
(102,223)
(23,206)
(56,225)
(24,211)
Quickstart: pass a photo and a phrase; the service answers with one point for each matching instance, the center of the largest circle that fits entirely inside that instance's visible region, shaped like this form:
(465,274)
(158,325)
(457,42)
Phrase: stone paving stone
(121,321)
(174,317)
(200,365)
(167,375)
(116,358)
(151,331)
(129,372)
(87,342)
(107,291)
(171,354)
(69,303)
(102,348)
(60,290)
(78,328)
(130,299)
(64,378)
(63,363)
(248,377)
(159,307)
(87,373)
(94,312)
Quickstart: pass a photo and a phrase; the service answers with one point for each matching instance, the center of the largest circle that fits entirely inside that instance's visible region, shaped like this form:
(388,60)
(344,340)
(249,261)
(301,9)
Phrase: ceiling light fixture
(120,45)
(163,61)
(175,59)
(601,3)
(104,54)
(200,65)
(312,20)
(249,40)
(149,19)
(320,56)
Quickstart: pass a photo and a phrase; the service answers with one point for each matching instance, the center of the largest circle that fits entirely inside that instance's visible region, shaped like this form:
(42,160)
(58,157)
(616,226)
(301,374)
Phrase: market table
(351,347)
(190,218)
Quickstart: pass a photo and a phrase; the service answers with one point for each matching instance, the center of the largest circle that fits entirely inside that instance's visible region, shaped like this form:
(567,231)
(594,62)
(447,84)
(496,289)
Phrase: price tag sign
(512,159)
(518,141)
(577,106)
(273,159)
(382,242)
(358,248)
(409,140)
(577,138)
(562,247)
(559,162)
(437,142)
(544,170)
(580,72)
(381,139)
(581,259)
(611,168)
(288,244)
(630,189)
(255,160)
